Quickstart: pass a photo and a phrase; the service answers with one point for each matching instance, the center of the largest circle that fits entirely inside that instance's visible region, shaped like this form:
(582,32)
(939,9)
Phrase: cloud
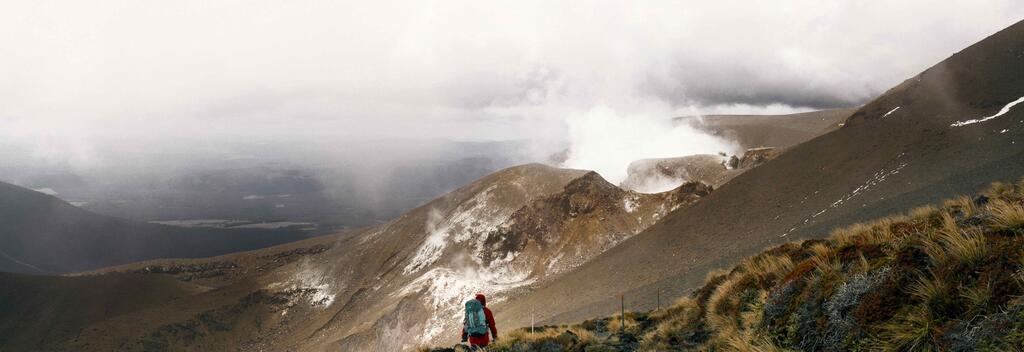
(452,69)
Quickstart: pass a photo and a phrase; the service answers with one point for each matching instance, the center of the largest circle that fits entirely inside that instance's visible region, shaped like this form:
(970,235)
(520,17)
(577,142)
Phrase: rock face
(564,230)
(757,156)
(659,175)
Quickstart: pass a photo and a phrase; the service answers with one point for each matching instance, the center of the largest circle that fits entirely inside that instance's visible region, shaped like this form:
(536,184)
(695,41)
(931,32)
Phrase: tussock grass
(979,298)
(615,322)
(520,337)
(930,289)
(962,204)
(750,342)
(719,304)
(913,331)
(1006,216)
(1001,190)
(768,267)
(824,259)
(924,213)
(968,247)
(852,235)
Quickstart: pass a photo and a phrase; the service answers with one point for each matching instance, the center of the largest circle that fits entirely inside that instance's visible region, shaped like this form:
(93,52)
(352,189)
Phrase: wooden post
(622,313)
(533,319)
(659,299)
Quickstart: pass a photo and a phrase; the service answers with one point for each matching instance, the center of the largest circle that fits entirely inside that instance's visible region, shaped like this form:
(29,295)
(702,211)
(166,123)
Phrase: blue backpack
(475,321)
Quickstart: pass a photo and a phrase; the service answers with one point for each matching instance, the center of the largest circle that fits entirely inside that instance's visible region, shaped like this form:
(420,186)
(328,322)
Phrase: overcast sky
(454,69)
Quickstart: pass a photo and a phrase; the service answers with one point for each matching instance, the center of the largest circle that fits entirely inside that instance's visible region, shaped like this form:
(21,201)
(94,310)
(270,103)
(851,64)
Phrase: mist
(366,88)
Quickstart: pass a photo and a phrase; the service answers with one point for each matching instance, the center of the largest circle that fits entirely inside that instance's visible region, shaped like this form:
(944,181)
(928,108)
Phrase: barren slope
(780,131)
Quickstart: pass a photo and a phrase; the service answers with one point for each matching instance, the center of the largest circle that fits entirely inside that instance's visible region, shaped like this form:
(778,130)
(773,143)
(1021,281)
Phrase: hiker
(477,321)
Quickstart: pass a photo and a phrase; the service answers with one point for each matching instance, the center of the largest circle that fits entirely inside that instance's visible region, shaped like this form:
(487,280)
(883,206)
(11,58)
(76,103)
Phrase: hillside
(41,234)
(389,287)
(937,278)
(779,131)
(881,161)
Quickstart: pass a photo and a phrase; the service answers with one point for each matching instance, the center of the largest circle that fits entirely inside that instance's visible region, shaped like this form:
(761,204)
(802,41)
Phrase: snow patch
(318,291)
(890,112)
(629,203)
(1001,112)
(878,177)
(430,250)
(47,191)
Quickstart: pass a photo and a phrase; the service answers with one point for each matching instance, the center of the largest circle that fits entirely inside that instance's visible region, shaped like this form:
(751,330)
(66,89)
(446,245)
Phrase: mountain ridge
(43,234)
(847,175)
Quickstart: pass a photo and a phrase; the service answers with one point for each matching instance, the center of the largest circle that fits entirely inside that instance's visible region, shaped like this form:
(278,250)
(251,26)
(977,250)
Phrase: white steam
(437,240)
(606,141)
(656,183)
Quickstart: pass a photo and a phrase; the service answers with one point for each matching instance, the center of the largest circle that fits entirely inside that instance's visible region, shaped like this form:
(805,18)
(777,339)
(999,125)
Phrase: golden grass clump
(979,298)
(673,322)
(1006,216)
(922,213)
(1001,190)
(948,224)
(769,267)
(524,336)
(966,246)
(930,289)
(964,204)
(615,322)
(854,234)
(824,258)
(747,341)
(724,296)
(913,331)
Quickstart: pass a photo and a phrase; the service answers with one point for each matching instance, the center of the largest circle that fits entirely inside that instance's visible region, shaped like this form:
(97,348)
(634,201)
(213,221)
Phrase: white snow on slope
(474,218)
(445,289)
(890,112)
(320,291)
(629,203)
(1001,112)
(431,249)
(47,191)
(877,178)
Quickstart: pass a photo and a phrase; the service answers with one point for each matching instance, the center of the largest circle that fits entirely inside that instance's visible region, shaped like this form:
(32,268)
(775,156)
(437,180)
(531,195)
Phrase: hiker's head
(480,297)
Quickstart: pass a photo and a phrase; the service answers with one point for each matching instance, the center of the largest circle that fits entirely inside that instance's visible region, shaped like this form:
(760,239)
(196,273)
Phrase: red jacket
(483,340)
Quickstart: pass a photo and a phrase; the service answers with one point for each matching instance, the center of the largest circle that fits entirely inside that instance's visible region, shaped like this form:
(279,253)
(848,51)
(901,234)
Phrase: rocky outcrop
(757,156)
(659,175)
